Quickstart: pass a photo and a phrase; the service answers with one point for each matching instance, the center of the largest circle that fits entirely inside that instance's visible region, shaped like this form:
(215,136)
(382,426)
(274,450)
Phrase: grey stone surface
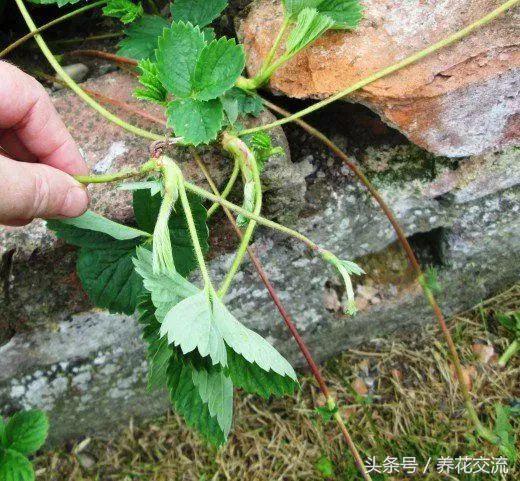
(88,369)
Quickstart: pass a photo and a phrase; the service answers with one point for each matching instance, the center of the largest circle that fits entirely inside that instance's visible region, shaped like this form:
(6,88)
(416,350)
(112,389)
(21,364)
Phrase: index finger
(27,110)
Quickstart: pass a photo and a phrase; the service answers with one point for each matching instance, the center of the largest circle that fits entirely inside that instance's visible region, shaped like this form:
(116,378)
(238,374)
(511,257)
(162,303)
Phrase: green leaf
(239,103)
(146,209)
(255,380)
(262,146)
(187,401)
(293,8)
(504,430)
(177,54)
(196,121)
(345,13)
(216,390)
(125,10)
(142,37)
(197,12)
(95,222)
(15,466)
(104,266)
(310,25)
(209,34)
(218,67)
(153,90)
(108,276)
(325,467)
(325,413)
(430,280)
(26,431)
(203,323)
(203,391)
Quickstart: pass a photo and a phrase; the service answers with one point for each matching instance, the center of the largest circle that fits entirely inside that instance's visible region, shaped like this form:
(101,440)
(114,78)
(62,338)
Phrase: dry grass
(411,409)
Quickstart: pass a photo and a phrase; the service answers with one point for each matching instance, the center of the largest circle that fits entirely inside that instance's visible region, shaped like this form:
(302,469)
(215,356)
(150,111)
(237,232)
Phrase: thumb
(30,190)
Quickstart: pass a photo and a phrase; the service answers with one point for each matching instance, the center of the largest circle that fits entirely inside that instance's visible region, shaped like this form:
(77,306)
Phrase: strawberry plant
(23,434)
(197,348)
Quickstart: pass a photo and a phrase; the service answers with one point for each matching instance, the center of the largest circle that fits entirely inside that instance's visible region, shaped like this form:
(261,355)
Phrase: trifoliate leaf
(142,37)
(95,222)
(197,12)
(26,431)
(177,54)
(203,323)
(255,380)
(126,10)
(108,277)
(198,122)
(292,8)
(218,67)
(345,13)
(309,26)
(146,209)
(187,401)
(153,90)
(15,466)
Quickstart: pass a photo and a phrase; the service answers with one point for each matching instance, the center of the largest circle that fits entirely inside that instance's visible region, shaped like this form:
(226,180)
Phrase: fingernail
(75,203)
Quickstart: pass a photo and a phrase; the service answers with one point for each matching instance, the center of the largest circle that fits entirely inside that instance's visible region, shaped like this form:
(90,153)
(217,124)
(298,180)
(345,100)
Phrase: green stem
(56,21)
(270,56)
(259,219)
(149,166)
(391,69)
(513,348)
(75,87)
(227,189)
(193,234)
(243,154)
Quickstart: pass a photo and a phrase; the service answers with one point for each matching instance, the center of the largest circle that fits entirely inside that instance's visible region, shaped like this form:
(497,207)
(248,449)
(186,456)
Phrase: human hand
(37,154)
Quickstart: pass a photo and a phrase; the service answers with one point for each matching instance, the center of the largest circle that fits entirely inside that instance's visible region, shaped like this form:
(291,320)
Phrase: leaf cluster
(24,434)
(200,351)
(196,347)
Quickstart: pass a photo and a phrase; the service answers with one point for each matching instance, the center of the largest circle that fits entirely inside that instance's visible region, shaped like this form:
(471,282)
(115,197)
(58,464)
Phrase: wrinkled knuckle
(42,196)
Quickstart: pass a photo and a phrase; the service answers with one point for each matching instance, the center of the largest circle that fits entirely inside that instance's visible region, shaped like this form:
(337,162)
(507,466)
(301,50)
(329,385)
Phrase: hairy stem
(91,38)
(391,69)
(147,167)
(245,157)
(483,431)
(331,403)
(513,348)
(56,21)
(194,236)
(75,87)
(227,189)
(250,215)
(272,52)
